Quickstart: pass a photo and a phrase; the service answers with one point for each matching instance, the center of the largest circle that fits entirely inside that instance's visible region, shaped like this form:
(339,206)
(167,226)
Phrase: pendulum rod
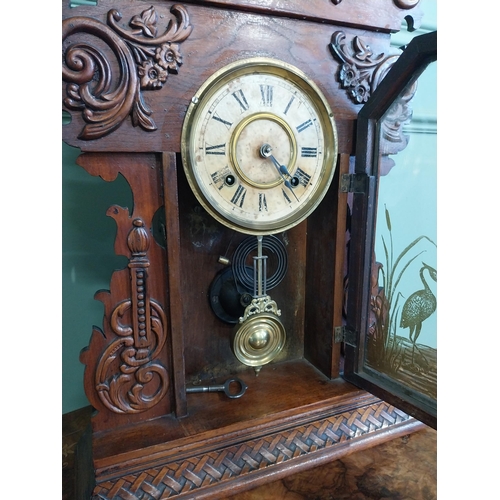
(260,271)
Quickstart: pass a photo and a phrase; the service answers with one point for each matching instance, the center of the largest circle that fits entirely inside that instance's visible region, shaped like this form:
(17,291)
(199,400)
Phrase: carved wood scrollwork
(140,326)
(361,70)
(144,58)
(360,74)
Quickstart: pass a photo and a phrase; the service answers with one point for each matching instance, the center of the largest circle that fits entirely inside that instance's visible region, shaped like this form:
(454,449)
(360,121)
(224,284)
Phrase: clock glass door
(396,346)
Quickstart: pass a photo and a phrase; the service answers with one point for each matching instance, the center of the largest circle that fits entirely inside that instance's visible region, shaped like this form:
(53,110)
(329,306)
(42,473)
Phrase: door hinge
(345,334)
(353,183)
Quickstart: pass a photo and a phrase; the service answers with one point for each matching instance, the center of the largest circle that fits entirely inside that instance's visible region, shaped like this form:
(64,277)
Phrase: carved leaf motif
(361,69)
(363,51)
(140,115)
(360,73)
(144,61)
(146,22)
(124,372)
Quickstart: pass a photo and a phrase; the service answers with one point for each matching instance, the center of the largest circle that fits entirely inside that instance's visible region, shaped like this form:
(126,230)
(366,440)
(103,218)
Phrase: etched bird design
(419,306)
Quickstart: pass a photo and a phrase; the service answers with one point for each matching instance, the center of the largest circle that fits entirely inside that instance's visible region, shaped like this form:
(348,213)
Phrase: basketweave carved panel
(194,475)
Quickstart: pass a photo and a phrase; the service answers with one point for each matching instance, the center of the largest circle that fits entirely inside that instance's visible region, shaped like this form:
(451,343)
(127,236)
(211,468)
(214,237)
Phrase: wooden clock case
(130,69)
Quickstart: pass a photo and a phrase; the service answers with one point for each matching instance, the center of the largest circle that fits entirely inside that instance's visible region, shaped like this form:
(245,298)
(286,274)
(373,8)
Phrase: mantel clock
(219,361)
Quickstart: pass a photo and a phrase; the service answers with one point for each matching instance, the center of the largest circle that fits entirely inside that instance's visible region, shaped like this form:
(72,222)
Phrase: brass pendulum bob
(261,335)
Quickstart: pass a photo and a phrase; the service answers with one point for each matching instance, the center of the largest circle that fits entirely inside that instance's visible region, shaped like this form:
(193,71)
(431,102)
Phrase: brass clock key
(233,388)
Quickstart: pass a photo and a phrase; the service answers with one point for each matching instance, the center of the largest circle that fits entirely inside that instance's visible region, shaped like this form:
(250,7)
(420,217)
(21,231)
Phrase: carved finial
(138,238)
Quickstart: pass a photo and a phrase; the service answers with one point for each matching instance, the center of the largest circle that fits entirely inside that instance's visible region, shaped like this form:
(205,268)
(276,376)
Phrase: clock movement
(219,363)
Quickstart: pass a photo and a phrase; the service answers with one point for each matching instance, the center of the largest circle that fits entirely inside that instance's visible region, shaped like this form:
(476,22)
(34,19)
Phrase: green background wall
(88,259)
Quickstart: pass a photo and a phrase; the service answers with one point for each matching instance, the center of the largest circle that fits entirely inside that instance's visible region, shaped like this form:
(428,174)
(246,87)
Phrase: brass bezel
(291,73)
(236,134)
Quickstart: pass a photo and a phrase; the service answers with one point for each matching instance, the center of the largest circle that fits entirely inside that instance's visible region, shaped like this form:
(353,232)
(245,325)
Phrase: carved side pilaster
(128,362)
(129,378)
(144,60)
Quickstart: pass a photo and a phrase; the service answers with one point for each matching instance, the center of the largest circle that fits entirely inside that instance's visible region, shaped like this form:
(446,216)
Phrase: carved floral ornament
(360,73)
(361,70)
(145,59)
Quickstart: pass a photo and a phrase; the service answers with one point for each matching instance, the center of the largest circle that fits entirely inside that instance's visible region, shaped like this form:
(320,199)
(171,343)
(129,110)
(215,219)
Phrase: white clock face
(259,146)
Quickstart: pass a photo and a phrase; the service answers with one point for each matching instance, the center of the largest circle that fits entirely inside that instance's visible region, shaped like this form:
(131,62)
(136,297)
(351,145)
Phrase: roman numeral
(240,97)
(309,152)
(239,196)
(219,119)
(219,149)
(266,92)
(302,177)
(262,203)
(288,105)
(304,125)
(286,196)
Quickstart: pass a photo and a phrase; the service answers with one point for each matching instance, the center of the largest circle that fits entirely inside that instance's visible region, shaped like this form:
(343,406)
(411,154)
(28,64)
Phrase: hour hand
(265,152)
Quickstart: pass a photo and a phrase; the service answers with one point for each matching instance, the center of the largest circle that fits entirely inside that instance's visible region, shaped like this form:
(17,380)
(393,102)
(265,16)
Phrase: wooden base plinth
(292,418)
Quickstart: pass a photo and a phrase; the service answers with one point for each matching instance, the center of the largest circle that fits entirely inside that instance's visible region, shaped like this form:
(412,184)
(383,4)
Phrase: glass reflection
(402,340)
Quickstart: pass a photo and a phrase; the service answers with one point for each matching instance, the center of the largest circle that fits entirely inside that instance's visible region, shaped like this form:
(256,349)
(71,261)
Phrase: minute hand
(281,168)
(283,171)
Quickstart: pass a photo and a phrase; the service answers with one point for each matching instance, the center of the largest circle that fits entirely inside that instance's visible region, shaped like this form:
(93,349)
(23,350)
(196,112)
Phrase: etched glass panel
(401,345)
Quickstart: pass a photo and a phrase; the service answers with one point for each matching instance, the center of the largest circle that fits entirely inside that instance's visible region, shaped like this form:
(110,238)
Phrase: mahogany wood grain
(325,271)
(403,467)
(285,402)
(173,279)
(303,44)
(285,389)
(387,17)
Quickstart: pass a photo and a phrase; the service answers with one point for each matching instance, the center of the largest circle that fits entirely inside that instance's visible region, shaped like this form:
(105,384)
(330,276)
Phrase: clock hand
(282,169)
(265,152)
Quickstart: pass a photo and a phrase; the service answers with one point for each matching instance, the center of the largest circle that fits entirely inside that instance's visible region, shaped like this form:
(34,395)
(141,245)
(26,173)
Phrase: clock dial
(259,145)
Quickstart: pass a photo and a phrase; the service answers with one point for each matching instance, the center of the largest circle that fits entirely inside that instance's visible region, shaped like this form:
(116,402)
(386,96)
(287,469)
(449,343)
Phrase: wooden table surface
(401,469)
